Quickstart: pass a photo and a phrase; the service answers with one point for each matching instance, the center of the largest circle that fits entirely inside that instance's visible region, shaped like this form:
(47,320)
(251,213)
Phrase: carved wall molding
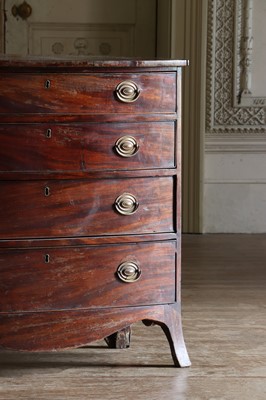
(235,182)
(231,145)
(223,118)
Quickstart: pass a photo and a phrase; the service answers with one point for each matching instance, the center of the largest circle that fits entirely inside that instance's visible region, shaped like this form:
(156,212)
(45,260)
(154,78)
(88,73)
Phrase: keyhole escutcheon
(47,84)
(46,191)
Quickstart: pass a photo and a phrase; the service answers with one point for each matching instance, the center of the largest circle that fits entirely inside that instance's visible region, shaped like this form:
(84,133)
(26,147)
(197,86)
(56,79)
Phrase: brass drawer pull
(128,272)
(126,146)
(127,91)
(126,204)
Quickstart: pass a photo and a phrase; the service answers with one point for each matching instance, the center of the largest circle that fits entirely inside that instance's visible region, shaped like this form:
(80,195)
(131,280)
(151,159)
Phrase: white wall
(235,193)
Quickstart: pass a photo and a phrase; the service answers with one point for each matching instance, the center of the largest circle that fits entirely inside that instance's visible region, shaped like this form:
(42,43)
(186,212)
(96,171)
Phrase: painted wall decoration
(229,72)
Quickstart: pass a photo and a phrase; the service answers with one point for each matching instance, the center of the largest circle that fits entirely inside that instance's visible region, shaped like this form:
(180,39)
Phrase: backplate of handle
(127,146)
(126,204)
(127,91)
(128,271)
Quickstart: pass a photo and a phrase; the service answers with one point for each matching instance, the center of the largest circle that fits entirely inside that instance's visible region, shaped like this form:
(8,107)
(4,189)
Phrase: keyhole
(47,258)
(49,133)
(47,84)
(47,191)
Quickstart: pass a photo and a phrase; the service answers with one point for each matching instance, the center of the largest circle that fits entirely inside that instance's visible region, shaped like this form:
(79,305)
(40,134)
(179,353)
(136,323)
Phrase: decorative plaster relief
(223,117)
(81,39)
(244,55)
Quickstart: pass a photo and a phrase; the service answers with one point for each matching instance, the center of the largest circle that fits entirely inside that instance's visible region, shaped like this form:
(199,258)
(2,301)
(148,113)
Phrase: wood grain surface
(76,278)
(26,93)
(84,207)
(64,148)
(42,331)
(61,179)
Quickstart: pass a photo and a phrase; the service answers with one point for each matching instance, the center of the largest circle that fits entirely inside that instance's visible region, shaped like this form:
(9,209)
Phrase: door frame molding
(189,41)
(2,26)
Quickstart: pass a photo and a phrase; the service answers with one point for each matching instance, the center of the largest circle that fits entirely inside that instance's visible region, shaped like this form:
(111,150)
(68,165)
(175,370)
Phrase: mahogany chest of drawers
(90,178)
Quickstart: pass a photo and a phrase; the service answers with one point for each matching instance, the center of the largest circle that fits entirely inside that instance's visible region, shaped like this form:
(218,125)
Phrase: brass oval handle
(126,204)
(127,91)
(126,146)
(128,272)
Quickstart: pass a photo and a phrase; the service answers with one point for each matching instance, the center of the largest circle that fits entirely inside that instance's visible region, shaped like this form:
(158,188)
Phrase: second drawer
(86,147)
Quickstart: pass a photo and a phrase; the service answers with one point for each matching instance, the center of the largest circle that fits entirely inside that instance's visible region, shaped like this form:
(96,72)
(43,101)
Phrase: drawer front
(86,147)
(72,278)
(86,93)
(86,207)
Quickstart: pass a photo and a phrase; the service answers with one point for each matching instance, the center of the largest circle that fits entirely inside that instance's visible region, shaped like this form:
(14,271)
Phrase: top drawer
(52,93)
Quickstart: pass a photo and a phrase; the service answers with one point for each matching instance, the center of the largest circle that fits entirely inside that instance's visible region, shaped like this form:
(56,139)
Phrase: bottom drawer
(84,277)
